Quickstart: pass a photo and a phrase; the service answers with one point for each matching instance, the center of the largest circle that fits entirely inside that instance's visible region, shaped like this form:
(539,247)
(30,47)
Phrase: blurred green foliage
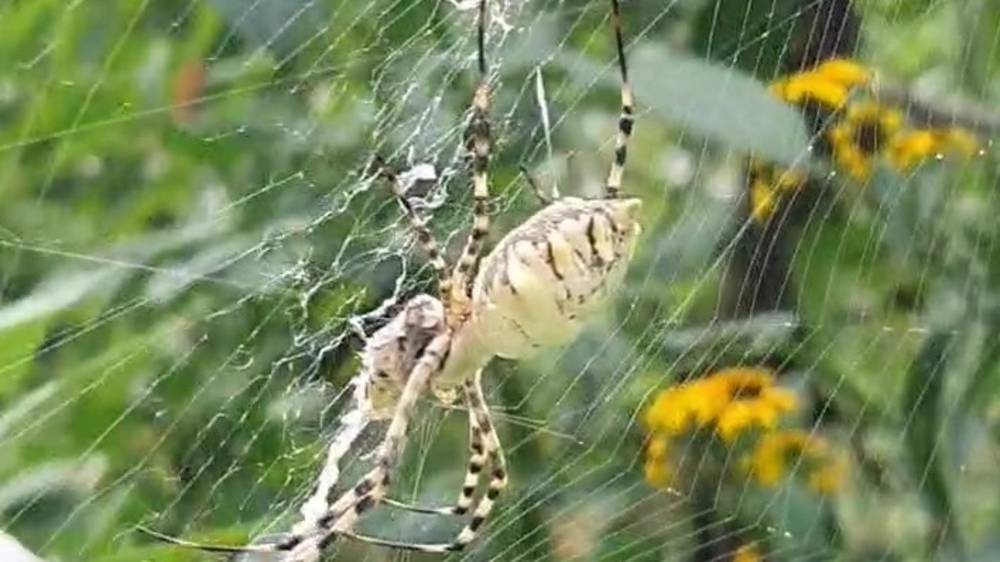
(186,233)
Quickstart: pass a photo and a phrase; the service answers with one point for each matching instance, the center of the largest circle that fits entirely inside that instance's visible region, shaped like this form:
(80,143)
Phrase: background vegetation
(185,236)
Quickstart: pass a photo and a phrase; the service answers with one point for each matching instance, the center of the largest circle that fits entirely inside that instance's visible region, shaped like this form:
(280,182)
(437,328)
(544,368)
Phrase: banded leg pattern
(473,474)
(372,488)
(479,142)
(420,227)
(486,453)
(496,461)
(627,118)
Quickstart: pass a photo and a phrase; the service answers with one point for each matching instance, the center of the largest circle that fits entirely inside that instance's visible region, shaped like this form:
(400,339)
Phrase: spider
(533,290)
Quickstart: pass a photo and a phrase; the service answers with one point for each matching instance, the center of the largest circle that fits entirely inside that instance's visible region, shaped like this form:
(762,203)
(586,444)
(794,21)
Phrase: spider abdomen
(546,277)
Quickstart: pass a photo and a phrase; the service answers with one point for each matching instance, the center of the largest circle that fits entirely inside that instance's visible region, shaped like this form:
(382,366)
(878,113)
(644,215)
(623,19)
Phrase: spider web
(191,248)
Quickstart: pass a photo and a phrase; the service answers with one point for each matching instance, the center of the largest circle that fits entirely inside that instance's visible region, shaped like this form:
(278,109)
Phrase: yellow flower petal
(961,141)
(658,473)
(890,120)
(747,553)
(781,400)
(751,401)
(736,418)
(767,184)
(828,479)
(731,399)
(706,400)
(777,451)
(828,84)
(669,411)
(763,201)
(846,154)
(657,448)
(844,71)
(840,133)
(805,87)
(910,148)
(789,180)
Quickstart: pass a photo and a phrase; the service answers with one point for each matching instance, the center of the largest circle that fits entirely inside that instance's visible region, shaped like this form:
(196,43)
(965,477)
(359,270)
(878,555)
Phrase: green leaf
(710,100)
(734,341)
(24,323)
(923,430)
(719,103)
(806,521)
(16,353)
(24,406)
(984,382)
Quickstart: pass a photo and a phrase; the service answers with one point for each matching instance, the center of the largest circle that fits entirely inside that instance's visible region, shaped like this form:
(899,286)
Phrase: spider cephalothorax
(535,289)
(392,351)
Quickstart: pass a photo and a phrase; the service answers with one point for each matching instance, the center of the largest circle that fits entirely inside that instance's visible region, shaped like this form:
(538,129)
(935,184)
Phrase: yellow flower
(866,129)
(657,469)
(763,200)
(910,148)
(751,400)
(706,400)
(680,407)
(770,460)
(827,479)
(747,553)
(845,71)
(788,180)
(801,88)
(861,132)
(669,412)
(961,141)
(657,448)
(732,400)
(829,84)
(767,184)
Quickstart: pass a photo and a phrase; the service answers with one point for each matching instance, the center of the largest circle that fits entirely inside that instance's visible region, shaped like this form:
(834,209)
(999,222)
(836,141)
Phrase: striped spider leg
(534,290)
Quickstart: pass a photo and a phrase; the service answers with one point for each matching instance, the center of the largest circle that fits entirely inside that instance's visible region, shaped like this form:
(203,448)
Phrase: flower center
(868,136)
(747,391)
